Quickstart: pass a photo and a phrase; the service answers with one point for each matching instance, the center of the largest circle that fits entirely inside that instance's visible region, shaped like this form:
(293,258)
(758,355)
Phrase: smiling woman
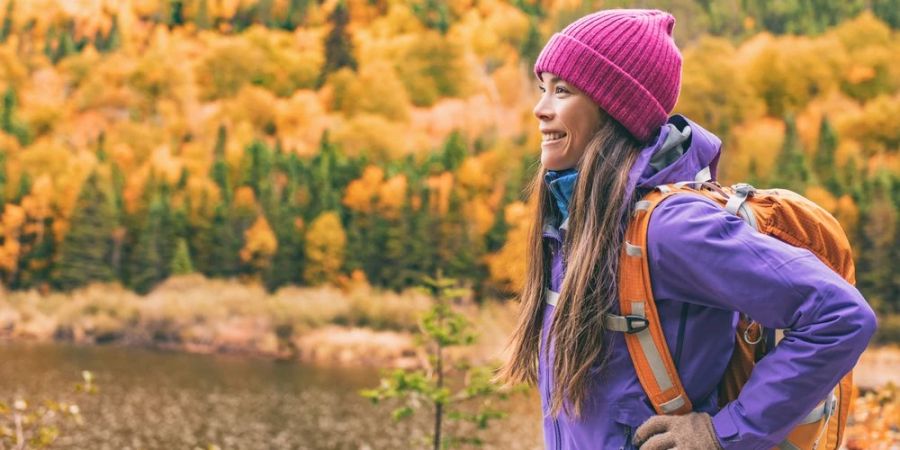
(568,120)
(608,83)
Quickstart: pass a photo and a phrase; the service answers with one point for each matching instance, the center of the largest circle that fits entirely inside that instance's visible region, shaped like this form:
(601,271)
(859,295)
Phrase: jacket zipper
(681,327)
(627,445)
(556,432)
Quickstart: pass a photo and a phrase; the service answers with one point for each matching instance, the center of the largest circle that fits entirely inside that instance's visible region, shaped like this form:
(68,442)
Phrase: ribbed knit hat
(625,60)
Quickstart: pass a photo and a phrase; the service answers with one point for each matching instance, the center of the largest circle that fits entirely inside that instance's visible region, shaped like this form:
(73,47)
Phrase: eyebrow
(553,79)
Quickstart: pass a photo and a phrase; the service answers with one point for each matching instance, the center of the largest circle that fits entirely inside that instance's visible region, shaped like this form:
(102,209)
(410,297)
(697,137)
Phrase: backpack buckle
(630,320)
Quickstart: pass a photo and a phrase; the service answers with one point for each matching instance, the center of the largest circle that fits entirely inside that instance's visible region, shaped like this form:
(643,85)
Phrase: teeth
(553,136)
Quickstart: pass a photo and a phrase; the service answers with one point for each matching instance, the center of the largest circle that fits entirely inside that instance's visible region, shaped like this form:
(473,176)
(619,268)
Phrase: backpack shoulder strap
(639,319)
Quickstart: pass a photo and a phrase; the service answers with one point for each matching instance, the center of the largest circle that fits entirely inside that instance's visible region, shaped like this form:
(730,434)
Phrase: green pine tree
(181,262)
(288,262)
(9,122)
(257,164)
(202,18)
(455,151)
(65,45)
(2,179)
(824,162)
(532,45)
(877,272)
(220,166)
(338,43)
(86,251)
(6,28)
(791,171)
(148,265)
(226,244)
(113,39)
(295,14)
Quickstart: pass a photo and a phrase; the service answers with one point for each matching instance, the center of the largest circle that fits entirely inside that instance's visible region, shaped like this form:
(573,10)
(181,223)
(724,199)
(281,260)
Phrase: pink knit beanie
(625,60)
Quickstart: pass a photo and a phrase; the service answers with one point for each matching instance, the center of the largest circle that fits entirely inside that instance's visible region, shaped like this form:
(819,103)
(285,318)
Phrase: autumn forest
(306,142)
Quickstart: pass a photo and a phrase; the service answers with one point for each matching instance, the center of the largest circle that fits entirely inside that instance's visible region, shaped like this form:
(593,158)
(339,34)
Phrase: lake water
(152,399)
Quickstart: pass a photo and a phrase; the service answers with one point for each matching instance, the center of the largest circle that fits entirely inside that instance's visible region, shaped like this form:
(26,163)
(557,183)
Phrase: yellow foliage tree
(360,193)
(392,195)
(755,143)
(12,220)
(260,244)
(702,97)
(507,266)
(326,244)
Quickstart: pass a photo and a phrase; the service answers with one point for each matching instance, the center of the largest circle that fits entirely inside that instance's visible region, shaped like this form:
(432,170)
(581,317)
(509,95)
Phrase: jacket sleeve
(704,255)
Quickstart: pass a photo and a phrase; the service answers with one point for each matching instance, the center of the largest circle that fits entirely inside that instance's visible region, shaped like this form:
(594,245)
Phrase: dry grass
(200,314)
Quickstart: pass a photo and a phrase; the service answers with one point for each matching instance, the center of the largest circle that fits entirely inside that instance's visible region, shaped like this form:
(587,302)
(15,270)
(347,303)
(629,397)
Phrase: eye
(541,88)
(561,89)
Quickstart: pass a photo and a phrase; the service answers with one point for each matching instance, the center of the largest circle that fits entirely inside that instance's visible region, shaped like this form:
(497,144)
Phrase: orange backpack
(777,212)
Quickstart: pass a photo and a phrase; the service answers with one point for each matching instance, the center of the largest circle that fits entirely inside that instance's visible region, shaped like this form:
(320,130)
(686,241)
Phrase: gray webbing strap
(672,405)
(651,352)
(615,323)
(820,411)
(787,445)
(664,189)
(565,224)
(632,250)
(735,201)
(703,175)
(642,205)
(551,296)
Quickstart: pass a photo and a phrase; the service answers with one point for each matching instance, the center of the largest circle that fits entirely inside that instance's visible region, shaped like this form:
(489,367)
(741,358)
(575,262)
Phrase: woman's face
(568,120)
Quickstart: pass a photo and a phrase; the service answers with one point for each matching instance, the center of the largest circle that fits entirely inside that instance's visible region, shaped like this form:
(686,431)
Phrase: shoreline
(351,326)
(334,346)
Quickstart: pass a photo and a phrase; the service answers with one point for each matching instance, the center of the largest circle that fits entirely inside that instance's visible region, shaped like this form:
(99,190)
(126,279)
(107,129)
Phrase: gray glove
(693,431)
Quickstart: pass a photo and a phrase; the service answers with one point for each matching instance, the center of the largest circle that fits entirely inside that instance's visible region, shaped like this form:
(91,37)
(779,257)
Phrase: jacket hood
(680,152)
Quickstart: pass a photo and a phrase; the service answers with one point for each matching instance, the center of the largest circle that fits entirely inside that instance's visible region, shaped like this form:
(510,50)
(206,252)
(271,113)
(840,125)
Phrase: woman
(608,82)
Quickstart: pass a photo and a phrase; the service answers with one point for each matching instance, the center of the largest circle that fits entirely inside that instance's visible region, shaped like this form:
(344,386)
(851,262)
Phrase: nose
(543,110)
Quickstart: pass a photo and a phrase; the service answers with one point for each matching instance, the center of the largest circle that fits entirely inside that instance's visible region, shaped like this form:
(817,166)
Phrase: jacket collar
(561,184)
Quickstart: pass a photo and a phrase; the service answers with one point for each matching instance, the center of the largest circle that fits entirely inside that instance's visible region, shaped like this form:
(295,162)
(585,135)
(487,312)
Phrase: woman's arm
(701,254)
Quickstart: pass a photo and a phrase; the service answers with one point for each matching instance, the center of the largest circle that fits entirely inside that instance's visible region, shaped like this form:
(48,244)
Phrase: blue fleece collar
(561,184)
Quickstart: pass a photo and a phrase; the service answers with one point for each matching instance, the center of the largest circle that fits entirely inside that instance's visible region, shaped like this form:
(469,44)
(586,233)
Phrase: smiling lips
(552,137)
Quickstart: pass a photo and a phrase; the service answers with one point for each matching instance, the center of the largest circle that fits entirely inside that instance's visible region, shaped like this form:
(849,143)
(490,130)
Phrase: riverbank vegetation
(353,325)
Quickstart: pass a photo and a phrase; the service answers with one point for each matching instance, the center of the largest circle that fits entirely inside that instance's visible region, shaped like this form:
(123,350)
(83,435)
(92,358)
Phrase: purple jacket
(705,266)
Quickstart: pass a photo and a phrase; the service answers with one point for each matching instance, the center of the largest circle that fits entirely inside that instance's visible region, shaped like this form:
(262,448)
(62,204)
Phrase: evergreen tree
(226,244)
(65,45)
(288,262)
(113,39)
(257,164)
(181,262)
(220,166)
(325,196)
(36,264)
(85,253)
(433,14)
(824,162)
(531,46)
(877,271)
(338,44)
(295,14)
(9,123)
(455,151)
(2,179)
(148,265)
(202,17)
(175,13)
(6,28)
(791,170)
(24,188)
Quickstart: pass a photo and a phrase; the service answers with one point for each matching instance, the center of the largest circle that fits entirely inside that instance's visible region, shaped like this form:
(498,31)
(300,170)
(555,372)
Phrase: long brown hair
(592,245)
